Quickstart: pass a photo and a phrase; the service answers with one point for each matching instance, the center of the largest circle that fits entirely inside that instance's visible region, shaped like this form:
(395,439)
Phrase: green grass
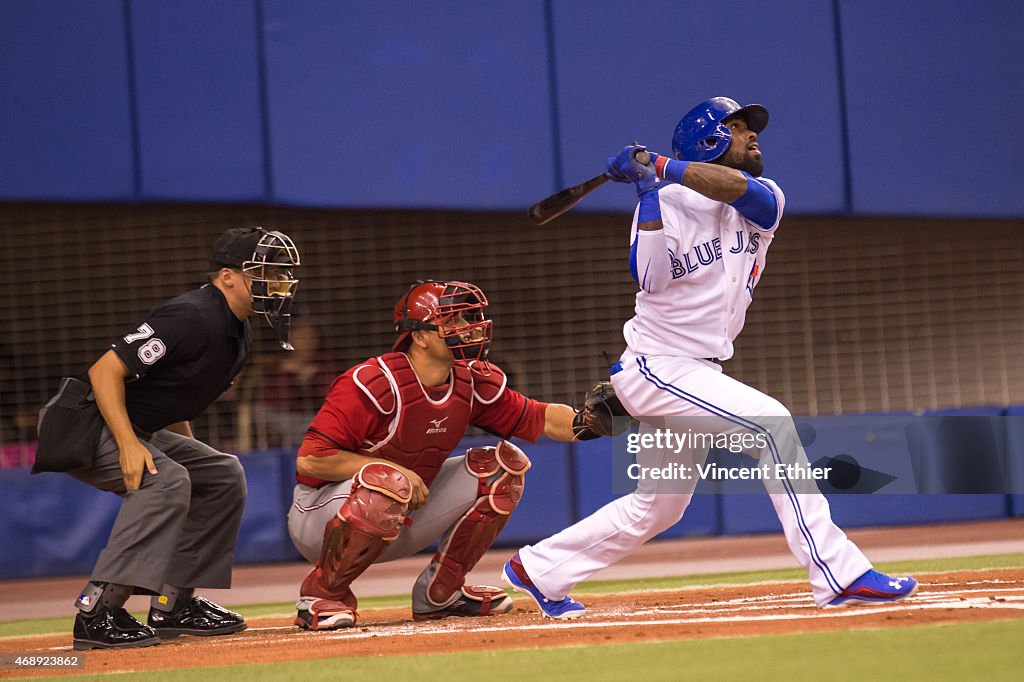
(988,650)
(21,628)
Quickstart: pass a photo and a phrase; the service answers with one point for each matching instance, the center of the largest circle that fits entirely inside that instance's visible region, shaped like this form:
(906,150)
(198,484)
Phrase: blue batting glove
(613,172)
(624,167)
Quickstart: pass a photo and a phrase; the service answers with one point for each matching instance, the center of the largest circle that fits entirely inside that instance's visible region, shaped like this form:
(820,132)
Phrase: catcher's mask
(435,306)
(266,257)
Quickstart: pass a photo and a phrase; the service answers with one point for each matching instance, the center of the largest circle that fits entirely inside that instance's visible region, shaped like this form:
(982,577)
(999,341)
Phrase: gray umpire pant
(180,526)
(452,492)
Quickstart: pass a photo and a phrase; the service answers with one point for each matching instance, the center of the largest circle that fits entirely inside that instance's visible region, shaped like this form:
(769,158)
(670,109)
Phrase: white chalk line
(721,612)
(800,600)
(410,630)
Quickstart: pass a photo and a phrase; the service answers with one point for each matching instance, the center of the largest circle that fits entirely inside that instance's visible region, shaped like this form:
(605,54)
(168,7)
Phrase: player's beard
(754,166)
(746,163)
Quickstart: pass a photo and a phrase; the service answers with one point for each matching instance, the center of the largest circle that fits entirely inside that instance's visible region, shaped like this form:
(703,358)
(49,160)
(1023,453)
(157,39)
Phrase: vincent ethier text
(715,472)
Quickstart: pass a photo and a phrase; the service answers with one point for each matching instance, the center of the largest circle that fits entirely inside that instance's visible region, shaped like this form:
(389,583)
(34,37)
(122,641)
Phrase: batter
(699,238)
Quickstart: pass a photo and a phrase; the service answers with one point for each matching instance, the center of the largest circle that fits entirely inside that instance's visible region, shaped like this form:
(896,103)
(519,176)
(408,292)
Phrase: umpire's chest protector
(424,427)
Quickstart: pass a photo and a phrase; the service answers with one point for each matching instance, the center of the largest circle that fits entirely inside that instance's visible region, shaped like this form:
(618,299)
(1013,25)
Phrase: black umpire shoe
(197,616)
(111,629)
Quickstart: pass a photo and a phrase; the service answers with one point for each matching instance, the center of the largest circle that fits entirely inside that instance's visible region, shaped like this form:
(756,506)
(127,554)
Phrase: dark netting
(850,316)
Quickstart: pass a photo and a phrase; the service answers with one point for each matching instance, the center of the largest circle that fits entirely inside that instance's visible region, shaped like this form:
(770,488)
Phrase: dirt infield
(733,610)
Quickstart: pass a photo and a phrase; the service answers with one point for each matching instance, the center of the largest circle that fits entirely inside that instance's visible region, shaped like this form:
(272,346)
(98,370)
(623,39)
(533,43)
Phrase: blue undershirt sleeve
(758,204)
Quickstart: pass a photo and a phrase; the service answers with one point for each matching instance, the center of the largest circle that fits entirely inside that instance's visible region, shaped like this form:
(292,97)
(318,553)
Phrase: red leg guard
(473,534)
(369,519)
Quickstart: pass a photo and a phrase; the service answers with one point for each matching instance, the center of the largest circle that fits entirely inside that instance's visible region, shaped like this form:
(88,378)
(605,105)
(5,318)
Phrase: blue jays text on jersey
(710,251)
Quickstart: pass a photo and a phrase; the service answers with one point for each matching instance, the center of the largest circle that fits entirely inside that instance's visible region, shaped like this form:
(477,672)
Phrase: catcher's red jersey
(379,408)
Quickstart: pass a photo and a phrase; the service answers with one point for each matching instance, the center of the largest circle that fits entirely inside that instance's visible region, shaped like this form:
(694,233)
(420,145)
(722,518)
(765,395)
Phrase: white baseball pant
(653,388)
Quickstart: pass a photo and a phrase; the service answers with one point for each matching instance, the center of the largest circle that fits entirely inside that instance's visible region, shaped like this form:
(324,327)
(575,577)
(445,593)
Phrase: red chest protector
(422,431)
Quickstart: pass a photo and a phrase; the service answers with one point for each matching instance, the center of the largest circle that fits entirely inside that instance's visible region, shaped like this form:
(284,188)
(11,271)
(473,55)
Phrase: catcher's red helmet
(430,305)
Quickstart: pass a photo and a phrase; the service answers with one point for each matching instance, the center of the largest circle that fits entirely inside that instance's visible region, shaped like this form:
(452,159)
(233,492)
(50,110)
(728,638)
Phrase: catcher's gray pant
(452,493)
(181,525)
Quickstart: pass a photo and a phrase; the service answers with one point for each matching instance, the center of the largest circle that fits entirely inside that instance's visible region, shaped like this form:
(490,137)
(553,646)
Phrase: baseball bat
(549,208)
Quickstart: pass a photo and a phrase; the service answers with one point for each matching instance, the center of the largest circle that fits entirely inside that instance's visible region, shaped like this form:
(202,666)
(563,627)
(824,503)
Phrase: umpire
(126,430)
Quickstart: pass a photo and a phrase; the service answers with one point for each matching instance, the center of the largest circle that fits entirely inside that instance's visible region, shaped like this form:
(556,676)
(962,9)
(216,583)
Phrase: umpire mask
(267,258)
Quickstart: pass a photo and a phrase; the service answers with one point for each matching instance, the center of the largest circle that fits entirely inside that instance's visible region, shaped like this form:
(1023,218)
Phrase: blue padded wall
(441,104)
(264,532)
(65,126)
(198,93)
(852,511)
(631,70)
(1015,465)
(545,508)
(743,514)
(52,524)
(881,445)
(934,93)
(55,525)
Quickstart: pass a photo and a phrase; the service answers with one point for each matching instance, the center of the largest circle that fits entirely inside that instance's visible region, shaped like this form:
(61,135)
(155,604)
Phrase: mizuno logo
(437,428)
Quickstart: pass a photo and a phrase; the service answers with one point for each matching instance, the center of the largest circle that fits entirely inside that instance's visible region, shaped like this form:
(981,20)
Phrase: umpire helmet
(701,135)
(430,304)
(267,257)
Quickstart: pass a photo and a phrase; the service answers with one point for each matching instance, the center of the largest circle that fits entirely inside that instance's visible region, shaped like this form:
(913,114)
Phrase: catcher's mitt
(601,414)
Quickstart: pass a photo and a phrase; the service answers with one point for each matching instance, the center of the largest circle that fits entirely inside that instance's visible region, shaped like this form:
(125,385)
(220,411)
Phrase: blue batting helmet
(701,135)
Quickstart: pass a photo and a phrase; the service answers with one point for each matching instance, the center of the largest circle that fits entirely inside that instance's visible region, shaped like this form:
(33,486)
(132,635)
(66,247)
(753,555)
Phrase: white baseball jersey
(717,257)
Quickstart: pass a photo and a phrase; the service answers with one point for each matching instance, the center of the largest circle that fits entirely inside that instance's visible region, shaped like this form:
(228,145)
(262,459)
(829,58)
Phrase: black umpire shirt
(182,357)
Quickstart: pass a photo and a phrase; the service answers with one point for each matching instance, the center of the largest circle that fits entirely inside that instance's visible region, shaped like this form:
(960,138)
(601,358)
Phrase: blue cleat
(563,609)
(875,587)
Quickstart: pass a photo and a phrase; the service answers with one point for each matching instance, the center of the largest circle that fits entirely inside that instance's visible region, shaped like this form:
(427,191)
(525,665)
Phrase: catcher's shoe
(111,629)
(875,587)
(475,600)
(515,576)
(324,614)
(197,616)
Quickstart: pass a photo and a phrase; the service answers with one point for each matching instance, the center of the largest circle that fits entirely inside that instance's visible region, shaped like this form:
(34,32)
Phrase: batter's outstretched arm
(715,182)
(748,195)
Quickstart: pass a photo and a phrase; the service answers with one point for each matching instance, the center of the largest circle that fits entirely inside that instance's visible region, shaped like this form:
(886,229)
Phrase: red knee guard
(477,529)
(370,518)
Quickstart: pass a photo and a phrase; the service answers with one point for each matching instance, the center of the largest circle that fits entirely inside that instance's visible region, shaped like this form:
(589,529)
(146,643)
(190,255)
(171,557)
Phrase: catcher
(375,481)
